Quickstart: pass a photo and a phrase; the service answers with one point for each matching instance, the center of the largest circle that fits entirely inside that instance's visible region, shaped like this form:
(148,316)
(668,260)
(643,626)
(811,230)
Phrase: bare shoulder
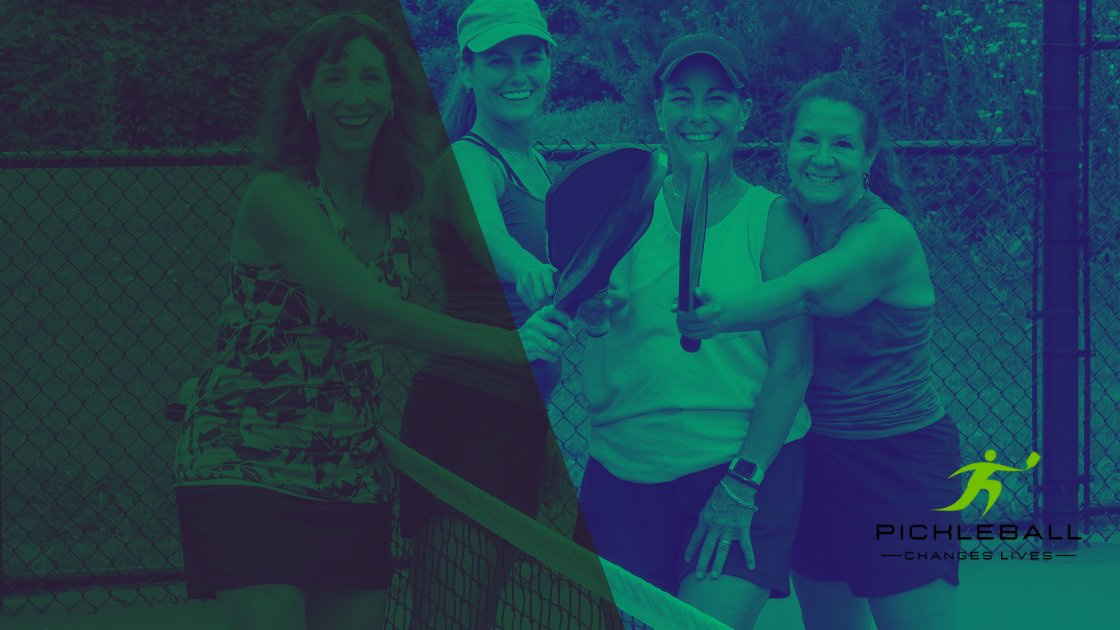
(475,161)
(267,189)
(480,174)
(785,225)
(913,287)
(888,223)
(786,243)
(886,240)
(277,202)
(262,206)
(785,212)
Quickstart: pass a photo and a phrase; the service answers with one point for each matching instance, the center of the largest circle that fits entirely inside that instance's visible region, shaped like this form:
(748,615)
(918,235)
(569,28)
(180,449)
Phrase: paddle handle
(690,345)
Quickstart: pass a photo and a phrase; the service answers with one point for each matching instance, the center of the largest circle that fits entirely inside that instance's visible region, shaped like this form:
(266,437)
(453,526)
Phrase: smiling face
(509,80)
(351,98)
(701,111)
(826,155)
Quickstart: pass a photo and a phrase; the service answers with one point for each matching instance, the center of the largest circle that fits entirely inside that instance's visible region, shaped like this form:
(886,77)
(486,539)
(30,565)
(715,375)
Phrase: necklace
(529,161)
(510,152)
(711,194)
(519,156)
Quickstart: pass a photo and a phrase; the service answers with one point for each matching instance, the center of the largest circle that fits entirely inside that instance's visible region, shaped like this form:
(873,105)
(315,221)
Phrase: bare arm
(288,228)
(790,345)
(865,264)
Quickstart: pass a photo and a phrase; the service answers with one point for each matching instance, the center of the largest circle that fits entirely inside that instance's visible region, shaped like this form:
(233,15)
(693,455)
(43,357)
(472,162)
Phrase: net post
(1061,248)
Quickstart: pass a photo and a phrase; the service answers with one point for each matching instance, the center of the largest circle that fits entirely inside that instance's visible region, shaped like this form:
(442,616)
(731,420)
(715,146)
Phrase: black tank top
(471,293)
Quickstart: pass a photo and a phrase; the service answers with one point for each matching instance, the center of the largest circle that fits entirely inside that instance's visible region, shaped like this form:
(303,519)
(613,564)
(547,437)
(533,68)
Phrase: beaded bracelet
(750,506)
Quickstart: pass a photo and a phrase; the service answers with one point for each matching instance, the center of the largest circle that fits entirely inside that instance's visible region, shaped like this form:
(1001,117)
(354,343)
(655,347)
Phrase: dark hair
(458,108)
(289,144)
(886,175)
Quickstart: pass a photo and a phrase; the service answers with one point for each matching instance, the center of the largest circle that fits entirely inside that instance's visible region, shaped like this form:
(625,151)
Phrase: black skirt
(238,535)
(490,442)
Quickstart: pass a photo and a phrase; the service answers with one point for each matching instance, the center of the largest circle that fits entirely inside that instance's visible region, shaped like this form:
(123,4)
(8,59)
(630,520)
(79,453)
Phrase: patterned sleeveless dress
(292,400)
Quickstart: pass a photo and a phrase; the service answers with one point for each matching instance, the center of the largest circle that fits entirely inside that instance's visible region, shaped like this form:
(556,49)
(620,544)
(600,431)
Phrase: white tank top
(656,412)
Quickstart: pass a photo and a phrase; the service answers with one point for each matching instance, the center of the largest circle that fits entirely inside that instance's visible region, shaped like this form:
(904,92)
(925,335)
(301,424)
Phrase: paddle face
(594,214)
(694,225)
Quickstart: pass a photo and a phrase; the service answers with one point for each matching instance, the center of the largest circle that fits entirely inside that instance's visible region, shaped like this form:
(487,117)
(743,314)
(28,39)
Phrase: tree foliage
(154,73)
(144,74)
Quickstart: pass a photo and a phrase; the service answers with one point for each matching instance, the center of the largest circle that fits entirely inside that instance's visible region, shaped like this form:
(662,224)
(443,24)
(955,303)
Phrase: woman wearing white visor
(484,421)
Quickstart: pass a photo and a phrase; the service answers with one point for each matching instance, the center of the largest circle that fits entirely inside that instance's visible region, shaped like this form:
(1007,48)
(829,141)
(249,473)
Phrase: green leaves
(185,72)
(189,72)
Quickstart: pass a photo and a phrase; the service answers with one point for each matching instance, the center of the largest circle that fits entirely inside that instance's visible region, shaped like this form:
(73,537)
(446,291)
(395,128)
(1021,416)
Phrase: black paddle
(694,225)
(594,214)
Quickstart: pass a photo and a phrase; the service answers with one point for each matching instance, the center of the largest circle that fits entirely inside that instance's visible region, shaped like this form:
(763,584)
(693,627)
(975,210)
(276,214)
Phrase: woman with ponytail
(881,448)
(481,420)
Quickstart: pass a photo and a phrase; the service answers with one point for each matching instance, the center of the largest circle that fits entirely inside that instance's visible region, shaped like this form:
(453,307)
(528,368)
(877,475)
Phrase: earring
(390,114)
(309,116)
(867,180)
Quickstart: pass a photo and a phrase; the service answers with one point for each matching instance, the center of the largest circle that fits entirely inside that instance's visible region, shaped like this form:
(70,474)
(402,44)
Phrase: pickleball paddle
(594,214)
(694,225)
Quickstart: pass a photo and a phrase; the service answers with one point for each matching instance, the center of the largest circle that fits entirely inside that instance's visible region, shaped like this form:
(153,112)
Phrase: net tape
(636,597)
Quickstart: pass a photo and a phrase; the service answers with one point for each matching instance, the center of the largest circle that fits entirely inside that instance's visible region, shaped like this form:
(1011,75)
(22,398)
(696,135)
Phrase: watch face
(745,468)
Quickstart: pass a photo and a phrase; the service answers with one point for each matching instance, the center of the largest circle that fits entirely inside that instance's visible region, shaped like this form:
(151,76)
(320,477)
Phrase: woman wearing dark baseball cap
(680,441)
(485,422)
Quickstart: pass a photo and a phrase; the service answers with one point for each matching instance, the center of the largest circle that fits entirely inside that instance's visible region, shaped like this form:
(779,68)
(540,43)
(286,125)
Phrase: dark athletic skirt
(492,443)
(851,486)
(236,536)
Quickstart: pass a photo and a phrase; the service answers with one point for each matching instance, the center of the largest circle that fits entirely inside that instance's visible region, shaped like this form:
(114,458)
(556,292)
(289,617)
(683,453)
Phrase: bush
(604,122)
(115,73)
(166,73)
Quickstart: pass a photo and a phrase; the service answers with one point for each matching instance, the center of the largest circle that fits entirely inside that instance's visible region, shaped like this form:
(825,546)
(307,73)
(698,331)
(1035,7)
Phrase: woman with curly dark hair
(281,479)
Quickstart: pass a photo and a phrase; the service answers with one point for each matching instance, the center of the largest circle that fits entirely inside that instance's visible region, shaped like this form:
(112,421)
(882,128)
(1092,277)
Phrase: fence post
(1061,244)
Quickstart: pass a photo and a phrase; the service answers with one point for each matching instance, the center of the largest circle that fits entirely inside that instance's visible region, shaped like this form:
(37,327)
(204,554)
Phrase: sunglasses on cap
(334,18)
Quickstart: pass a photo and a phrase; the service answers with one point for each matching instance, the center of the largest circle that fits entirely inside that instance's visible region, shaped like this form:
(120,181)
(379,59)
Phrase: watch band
(754,480)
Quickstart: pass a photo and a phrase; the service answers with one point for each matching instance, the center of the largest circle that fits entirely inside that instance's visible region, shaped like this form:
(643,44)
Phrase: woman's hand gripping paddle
(694,226)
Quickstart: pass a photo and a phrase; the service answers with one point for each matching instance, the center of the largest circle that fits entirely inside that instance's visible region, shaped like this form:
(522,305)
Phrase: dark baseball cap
(727,54)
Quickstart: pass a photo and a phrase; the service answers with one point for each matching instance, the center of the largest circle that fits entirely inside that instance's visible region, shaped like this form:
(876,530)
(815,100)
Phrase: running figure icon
(979,481)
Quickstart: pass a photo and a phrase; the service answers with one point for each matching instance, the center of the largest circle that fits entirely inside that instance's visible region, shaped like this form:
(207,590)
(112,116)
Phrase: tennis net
(482,564)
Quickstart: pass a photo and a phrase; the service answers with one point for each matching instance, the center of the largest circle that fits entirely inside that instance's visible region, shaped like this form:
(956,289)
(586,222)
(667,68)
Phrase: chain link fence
(1100,194)
(114,267)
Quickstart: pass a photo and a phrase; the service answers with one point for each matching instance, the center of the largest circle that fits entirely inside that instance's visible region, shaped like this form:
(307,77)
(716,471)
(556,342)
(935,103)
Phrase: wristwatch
(745,471)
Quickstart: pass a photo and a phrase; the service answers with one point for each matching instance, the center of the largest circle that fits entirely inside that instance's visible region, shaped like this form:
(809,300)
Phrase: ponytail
(458,108)
(888,182)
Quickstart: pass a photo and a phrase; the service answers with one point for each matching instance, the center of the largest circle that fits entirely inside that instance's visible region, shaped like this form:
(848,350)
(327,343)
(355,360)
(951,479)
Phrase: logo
(979,481)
